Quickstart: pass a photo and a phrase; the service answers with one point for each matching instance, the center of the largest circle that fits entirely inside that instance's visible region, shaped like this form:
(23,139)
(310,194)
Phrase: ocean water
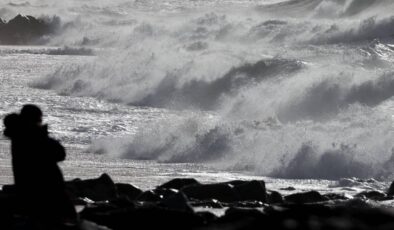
(298,93)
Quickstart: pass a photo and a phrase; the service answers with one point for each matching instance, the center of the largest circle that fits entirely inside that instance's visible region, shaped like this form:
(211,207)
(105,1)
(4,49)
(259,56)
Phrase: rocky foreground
(245,204)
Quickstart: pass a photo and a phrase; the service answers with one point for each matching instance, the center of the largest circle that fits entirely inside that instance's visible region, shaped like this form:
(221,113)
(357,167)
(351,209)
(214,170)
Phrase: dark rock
(390,192)
(221,192)
(128,190)
(373,195)
(100,189)
(247,204)
(307,197)
(252,190)
(104,207)
(288,189)
(177,201)
(242,218)
(207,216)
(236,182)
(165,193)
(335,196)
(121,202)
(27,29)
(275,198)
(170,209)
(9,189)
(179,183)
(149,196)
(207,203)
(234,213)
(151,217)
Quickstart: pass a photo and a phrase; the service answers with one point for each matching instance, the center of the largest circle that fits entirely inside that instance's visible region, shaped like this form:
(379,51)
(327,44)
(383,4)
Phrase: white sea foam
(296,89)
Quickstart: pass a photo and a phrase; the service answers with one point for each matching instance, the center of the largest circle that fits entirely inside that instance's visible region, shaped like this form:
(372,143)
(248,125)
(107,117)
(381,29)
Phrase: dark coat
(38,179)
(34,159)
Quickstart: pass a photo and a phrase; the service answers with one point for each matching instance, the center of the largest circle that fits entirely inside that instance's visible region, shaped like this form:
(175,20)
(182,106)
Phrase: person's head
(31,114)
(11,122)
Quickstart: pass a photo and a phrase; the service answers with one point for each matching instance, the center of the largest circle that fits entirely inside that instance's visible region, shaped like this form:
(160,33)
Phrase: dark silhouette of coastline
(27,30)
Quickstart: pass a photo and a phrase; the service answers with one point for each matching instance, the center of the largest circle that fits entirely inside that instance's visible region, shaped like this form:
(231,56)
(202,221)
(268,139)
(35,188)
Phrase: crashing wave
(169,91)
(327,98)
(301,71)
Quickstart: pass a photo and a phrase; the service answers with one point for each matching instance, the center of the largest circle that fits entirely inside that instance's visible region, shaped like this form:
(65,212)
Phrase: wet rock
(99,189)
(121,202)
(235,182)
(247,204)
(168,208)
(390,192)
(358,203)
(335,196)
(207,203)
(179,183)
(149,196)
(128,190)
(373,195)
(252,190)
(177,201)
(275,198)
(150,217)
(306,197)
(165,193)
(221,192)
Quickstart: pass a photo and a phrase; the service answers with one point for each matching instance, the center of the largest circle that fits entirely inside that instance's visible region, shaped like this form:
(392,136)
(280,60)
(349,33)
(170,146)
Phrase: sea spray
(291,95)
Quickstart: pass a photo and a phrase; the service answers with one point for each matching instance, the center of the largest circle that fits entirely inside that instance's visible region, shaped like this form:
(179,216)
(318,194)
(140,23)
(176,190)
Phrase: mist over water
(292,89)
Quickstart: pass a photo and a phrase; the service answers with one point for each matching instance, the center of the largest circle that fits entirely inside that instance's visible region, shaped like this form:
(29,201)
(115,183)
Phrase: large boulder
(222,192)
(390,192)
(306,197)
(373,195)
(252,190)
(178,202)
(179,183)
(275,198)
(128,190)
(99,189)
(149,196)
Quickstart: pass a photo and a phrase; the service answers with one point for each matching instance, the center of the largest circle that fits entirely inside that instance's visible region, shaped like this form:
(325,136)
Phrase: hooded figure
(38,179)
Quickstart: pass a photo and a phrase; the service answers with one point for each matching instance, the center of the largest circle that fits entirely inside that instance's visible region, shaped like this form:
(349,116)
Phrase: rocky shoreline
(185,203)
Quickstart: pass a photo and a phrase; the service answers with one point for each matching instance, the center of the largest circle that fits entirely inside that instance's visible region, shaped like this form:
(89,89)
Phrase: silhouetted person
(38,179)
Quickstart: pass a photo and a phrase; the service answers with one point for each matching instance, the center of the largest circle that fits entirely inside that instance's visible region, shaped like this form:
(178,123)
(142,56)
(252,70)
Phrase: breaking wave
(327,98)
(296,89)
(170,91)
(267,147)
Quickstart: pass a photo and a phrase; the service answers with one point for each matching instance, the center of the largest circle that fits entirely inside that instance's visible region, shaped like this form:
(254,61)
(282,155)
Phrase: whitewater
(298,93)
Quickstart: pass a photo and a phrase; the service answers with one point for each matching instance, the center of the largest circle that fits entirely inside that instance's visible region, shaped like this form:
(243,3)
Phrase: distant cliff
(27,30)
